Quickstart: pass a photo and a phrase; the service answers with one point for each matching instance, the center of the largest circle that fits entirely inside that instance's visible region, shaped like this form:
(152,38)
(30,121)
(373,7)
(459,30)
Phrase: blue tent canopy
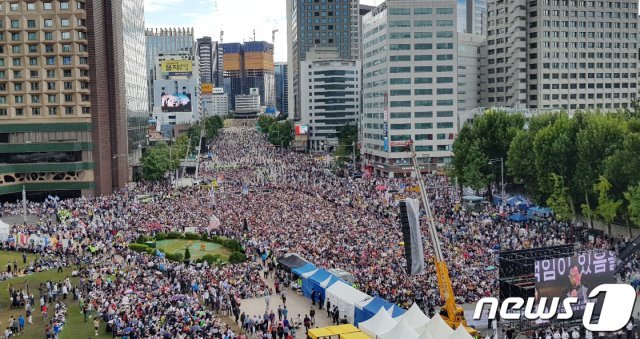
(539,210)
(397,311)
(313,283)
(370,309)
(304,269)
(332,280)
(517,217)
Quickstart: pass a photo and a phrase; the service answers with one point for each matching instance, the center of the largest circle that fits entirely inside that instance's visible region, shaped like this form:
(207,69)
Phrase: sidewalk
(296,304)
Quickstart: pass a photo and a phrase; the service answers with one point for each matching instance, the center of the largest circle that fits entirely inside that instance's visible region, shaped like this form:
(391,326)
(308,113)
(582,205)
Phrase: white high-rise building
(561,54)
(330,98)
(419,73)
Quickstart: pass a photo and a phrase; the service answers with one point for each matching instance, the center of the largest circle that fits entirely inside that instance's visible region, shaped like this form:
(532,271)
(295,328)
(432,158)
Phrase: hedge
(237,257)
(174,235)
(161,236)
(138,247)
(191,236)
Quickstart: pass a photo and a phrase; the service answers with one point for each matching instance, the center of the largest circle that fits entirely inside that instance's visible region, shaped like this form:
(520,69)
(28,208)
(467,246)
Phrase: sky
(238,19)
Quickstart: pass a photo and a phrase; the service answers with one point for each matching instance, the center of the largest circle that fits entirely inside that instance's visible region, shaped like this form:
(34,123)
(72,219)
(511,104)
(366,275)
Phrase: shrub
(142,239)
(138,247)
(216,239)
(174,235)
(204,237)
(161,236)
(187,254)
(212,259)
(175,257)
(191,236)
(237,257)
(150,250)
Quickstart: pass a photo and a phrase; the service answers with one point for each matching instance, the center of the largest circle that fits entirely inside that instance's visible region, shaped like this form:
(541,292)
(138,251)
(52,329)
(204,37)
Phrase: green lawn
(75,327)
(9,257)
(179,245)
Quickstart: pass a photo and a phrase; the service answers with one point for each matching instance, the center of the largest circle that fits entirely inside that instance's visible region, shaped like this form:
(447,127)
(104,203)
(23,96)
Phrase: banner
(177,67)
(207,88)
(575,277)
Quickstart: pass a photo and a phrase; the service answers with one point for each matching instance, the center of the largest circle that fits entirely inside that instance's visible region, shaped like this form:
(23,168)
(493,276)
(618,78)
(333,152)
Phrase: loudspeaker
(406,234)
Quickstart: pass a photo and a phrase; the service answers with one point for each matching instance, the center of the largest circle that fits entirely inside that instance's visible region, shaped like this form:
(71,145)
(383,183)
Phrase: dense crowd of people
(274,201)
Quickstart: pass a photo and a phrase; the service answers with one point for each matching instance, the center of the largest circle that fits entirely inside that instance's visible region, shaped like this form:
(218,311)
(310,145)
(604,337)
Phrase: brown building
(63,115)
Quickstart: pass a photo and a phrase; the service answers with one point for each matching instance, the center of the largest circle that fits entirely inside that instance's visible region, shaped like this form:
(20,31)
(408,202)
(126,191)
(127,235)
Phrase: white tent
(345,297)
(380,323)
(4,228)
(437,328)
(401,330)
(414,317)
(460,333)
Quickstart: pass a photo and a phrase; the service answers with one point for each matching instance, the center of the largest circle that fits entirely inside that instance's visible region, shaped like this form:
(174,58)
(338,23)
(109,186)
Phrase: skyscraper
(206,59)
(64,102)
(282,87)
(561,54)
(249,65)
(314,24)
(165,40)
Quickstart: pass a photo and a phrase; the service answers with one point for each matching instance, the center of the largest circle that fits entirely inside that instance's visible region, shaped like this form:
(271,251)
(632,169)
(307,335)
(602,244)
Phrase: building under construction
(246,66)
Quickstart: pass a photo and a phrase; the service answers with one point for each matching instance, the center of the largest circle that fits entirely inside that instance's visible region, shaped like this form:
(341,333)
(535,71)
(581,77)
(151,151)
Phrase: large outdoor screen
(176,102)
(576,277)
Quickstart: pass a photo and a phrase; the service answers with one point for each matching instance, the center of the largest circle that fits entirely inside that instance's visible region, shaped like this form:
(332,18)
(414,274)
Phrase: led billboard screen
(176,102)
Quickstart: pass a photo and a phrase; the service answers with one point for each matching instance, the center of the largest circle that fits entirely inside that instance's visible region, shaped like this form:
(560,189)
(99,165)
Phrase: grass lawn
(179,245)
(8,258)
(75,327)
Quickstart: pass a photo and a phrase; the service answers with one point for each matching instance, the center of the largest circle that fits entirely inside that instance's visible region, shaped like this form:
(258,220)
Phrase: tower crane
(454,314)
(273,37)
(221,35)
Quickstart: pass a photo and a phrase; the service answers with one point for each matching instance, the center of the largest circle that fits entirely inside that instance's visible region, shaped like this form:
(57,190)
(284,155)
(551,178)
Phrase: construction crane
(273,37)
(221,35)
(453,314)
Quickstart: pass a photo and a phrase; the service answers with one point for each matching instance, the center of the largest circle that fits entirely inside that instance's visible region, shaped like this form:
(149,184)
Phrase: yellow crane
(453,314)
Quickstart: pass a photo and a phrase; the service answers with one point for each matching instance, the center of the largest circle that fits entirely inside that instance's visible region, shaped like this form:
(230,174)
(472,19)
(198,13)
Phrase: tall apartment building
(419,73)
(63,88)
(249,65)
(561,54)
(282,87)
(165,40)
(315,24)
(330,98)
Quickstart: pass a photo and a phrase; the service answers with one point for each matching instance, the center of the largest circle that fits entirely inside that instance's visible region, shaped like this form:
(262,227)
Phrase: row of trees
(279,133)
(587,163)
(347,137)
(161,158)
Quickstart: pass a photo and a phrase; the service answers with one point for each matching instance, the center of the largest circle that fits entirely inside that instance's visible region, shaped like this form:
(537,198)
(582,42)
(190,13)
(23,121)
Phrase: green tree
(281,133)
(559,199)
(187,254)
(520,159)
(179,150)
(476,174)
(607,207)
(156,162)
(265,122)
(633,199)
(347,136)
(622,169)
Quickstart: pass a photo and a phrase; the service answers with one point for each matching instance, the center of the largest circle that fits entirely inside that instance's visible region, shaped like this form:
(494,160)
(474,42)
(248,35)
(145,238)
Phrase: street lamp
(491,162)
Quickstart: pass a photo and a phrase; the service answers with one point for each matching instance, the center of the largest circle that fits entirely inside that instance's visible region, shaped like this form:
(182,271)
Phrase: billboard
(177,67)
(575,277)
(301,129)
(176,102)
(207,88)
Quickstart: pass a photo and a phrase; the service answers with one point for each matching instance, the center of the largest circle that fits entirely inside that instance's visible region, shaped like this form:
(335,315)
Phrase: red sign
(399,143)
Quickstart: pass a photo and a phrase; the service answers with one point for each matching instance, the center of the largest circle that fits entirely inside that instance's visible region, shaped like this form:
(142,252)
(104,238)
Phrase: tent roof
(341,329)
(345,292)
(332,279)
(380,323)
(397,311)
(517,217)
(414,317)
(310,273)
(320,332)
(308,267)
(401,330)
(438,328)
(460,333)
(376,303)
(320,276)
(355,335)
(292,260)
(4,227)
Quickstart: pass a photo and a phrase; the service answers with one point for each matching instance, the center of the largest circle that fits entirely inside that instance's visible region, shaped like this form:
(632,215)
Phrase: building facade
(415,73)
(282,87)
(249,65)
(165,40)
(561,54)
(66,102)
(206,59)
(313,24)
(331,99)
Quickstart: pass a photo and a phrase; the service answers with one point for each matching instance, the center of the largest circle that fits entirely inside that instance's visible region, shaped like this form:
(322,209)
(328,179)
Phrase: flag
(159,254)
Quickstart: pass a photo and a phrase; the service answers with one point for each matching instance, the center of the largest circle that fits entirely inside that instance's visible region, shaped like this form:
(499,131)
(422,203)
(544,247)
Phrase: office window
(423,35)
(31,23)
(68,98)
(397,92)
(17,62)
(423,103)
(423,91)
(448,10)
(399,47)
(422,80)
(35,86)
(64,22)
(422,47)
(35,99)
(35,111)
(399,69)
(66,73)
(15,7)
(68,110)
(48,23)
(400,11)
(395,58)
(422,57)
(444,80)
(66,48)
(422,11)
(400,23)
(400,104)
(51,60)
(19,111)
(444,125)
(53,110)
(51,98)
(48,6)
(64,5)
(15,23)
(423,125)
(422,23)
(444,46)
(400,126)
(31,6)
(3,112)
(51,73)
(423,115)
(49,36)
(444,34)
(66,35)
(422,69)
(32,36)
(19,99)
(400,81)
(33,61)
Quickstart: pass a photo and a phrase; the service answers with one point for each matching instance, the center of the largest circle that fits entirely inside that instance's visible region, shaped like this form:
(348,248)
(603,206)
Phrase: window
(31,23)
(400,104)
(444,80)
(35,99)
(48,6)
(444,125)
(35,111)
(400,11)
(423,125)
(444,23)
(399,47)
(3,99)
(64,22)
(422,91)
(66,60)
(423,35)
(33,48)
(49,36)
(66,73)
(397,92)
(66,35)
(68,110)
(444,68)
(19,99)
(445,91)
(17,74)
(422,11)
(84,60)
(400,126)
(66,48)
(15,7)
(395,58)
(15,49)
(448,10)
(400,81)
(400,23)
(31,6)
(51,98)
(422,23)
(32,36)
(423,115)
(68,98)
(422,57)
(422,80)
(402,115)
(15,23)
(68,85)
(64,5)
(444,34)
(444,46)
(422,69)
(53,110)
(445,102)
(86,110)
(423,103)
(33,61)
(442,57)
(48,23)
(422,47)
(3,112)
(51,60)
(35,86)
(399,69)
(19,112)
(51,73)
